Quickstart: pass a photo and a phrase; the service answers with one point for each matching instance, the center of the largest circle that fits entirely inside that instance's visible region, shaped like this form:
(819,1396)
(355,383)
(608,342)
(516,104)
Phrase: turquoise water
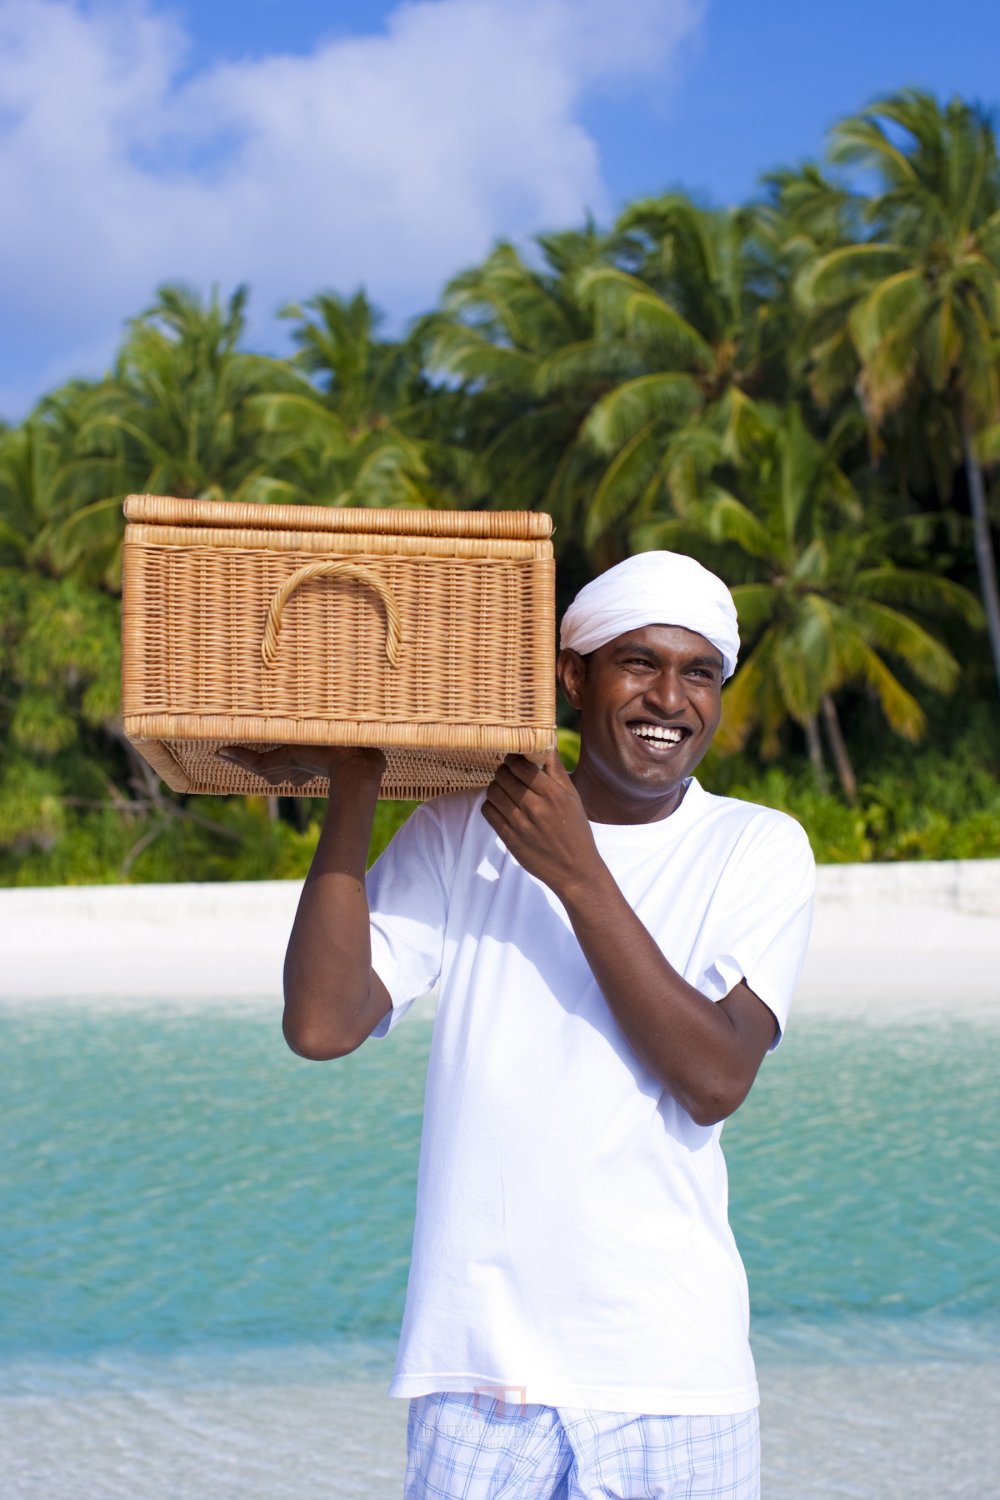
(863,1175)
(183,1203)
(170,1182)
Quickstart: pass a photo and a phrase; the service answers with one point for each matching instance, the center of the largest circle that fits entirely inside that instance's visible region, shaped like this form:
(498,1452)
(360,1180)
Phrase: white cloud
(390,160)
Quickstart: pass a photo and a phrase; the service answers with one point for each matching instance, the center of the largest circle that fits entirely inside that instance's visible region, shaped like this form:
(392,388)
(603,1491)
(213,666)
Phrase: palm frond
(473,357)
(886,629)
(307,416)
(861,140)
(625,303)
(844,273)
(729,520)
(756,604)
(622,482)
(666,397)
(924,591)
(741,697)
(858,659)
(892,311)
(588,362)
(804,657)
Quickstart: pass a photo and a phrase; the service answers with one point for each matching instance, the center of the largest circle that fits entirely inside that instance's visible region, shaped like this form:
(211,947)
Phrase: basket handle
(393,635)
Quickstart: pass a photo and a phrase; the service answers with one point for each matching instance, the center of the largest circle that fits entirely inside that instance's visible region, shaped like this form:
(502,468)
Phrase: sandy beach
(892,944)
(906,938)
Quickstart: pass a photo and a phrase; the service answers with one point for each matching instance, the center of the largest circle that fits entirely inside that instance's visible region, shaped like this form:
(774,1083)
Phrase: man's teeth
(653,732)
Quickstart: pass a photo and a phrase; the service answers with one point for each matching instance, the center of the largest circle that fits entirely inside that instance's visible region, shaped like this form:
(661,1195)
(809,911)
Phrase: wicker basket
(429,634)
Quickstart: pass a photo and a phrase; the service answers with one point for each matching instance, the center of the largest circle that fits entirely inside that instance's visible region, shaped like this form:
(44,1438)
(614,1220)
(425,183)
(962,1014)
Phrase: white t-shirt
(571,1237)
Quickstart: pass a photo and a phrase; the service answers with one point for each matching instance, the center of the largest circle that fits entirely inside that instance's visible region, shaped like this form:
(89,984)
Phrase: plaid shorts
(474,1447)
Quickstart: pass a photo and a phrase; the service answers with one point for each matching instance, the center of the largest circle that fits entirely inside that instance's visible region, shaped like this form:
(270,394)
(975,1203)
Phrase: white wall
(908,937)
(888,939)
(179,942)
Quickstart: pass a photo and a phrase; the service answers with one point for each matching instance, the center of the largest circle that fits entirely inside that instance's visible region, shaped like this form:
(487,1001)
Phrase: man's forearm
(332,999)
(707,1054)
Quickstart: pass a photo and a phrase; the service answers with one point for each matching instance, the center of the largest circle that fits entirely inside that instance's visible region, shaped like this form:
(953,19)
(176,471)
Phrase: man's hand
(332,997)
(706,1054)
(297,765)
(536,811)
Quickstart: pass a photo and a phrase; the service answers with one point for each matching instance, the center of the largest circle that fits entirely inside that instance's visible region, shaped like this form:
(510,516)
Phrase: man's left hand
(536,811)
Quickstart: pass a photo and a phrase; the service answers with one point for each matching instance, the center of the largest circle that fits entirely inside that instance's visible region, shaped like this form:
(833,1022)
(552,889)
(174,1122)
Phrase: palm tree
(919,297)
(802,215)
(47,477)
(175,417)
(817,614)
(529,366)
(33,482)
(354,423)
(693,297)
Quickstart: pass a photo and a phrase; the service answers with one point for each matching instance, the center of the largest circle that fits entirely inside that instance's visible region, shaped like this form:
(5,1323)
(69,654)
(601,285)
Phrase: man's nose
(667,693)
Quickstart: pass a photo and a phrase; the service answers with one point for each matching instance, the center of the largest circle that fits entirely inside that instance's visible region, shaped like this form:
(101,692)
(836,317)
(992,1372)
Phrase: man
(615,952)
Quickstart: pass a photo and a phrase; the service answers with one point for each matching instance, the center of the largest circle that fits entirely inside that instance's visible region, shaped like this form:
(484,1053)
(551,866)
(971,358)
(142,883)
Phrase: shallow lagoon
(204,1246)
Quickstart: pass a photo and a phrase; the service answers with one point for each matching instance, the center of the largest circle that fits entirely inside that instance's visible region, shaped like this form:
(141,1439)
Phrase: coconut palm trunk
(838,749)
(815,745)
(985,561)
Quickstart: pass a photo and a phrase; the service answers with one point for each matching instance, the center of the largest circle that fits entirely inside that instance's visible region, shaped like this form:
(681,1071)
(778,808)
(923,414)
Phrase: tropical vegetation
(802,391)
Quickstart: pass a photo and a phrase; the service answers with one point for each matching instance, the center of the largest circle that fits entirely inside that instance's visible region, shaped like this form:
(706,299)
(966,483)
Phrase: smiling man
(615,953)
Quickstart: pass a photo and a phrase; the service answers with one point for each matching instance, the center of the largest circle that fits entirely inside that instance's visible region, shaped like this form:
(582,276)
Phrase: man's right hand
(297,765)
(333,1000)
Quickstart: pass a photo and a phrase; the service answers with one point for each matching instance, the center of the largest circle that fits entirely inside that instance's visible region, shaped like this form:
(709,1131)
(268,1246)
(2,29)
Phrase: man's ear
(571,670)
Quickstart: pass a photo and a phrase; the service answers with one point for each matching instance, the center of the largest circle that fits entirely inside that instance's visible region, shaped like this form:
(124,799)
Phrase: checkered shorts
(469,1447)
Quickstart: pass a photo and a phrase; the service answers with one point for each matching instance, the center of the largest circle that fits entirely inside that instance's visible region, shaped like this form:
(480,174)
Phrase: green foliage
(199,838)
(942,804)
(31,809)
(803,392)
(918,299)
(816,615)
(352,429)
(569,747)
(389,816)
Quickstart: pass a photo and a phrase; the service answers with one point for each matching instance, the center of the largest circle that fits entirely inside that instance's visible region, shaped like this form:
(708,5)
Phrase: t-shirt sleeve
(765,914)
(408,900)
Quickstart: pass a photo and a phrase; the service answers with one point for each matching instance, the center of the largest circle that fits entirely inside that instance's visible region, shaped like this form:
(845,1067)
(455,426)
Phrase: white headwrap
(653,588)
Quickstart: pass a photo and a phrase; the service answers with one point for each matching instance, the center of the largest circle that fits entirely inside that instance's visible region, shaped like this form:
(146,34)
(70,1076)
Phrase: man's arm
(333,998)
(706,1053)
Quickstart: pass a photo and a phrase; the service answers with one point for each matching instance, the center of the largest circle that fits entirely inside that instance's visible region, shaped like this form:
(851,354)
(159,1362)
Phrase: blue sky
(303,144)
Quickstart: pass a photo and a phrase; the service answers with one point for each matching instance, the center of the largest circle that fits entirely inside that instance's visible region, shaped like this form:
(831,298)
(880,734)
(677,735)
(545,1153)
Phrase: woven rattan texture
(509,525)
(472,633)
(410,775)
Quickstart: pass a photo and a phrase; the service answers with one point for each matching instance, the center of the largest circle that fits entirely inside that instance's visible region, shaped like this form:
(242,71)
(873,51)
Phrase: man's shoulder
(454,809)
(445,819)
(737,818)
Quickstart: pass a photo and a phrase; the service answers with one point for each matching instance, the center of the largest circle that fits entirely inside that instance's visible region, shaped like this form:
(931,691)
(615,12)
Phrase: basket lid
(505,525)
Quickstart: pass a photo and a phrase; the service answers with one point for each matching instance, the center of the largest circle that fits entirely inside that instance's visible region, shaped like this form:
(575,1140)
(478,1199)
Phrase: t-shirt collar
(659,831)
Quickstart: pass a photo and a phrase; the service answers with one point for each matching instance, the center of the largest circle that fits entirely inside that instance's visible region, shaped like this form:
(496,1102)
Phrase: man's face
(649,704)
